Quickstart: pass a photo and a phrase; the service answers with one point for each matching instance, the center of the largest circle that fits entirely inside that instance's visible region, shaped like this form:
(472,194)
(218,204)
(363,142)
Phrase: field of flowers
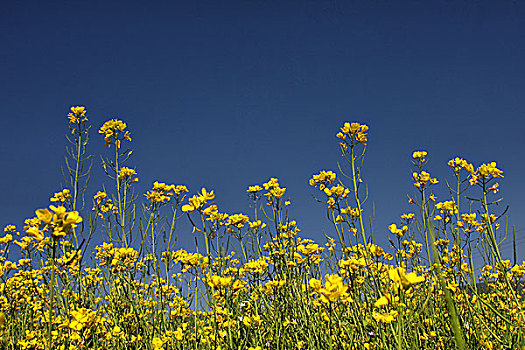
(252,282)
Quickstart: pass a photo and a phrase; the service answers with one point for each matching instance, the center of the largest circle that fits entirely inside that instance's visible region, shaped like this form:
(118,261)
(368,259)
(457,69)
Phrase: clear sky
(228,94)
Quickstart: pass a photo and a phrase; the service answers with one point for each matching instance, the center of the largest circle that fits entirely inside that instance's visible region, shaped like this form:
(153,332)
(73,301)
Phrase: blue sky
(228,94)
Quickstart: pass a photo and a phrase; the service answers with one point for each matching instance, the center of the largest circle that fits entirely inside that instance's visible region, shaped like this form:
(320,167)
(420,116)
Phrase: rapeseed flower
(388,317)
(403,279)
(198,201)
(419,155)
(113,129)
(58,222)
(61,196)
(77,113)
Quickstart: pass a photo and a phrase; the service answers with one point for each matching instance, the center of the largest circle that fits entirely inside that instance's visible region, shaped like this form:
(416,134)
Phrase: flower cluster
(58,222)
(114,129)
(420,155)
(459,163)
(275,192)
(237,220)
(447,207)
(254,189)
(486,172)
(198,201)
(404,280)
(76,114)
(398,231)
(61,196)
(161,193)
(354,131)
(127,173)
(332,290)
(103,204)
(322,179)
(423,180)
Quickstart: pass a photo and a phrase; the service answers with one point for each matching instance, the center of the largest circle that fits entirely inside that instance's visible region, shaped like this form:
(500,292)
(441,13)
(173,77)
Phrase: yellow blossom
(419,155)
(77,113)
(157,343)
(386,317)
(383,301)
(404,280)
(254,189)
(112,129)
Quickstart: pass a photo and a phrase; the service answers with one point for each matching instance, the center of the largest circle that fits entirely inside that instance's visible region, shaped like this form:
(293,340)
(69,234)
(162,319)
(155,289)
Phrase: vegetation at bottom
(252,282)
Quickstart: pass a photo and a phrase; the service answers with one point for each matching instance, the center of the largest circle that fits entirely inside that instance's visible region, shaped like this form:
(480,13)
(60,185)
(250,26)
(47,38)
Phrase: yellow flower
(447,207)
(181,189)
(257,224)
(178,334)
(77,113)
(112,129)
(238,285)
(419,155)
(423,179)
(59,222)
(82,318)
(9,229)
(207,195)
(6,239)
(198,201)
(256,266)
(161,193)
(333,288)
(100,196)
(315,284)
(487,170)
(237,220)
(404,280)
(385,318)
(407,217)
(383,301)
(35,232)
(61,196)
(126,172)
(458,163)
(157,343)
(398,231)
(254,189)
(72,218)
(358,132)
(218,282)
(44,215)
(322,178)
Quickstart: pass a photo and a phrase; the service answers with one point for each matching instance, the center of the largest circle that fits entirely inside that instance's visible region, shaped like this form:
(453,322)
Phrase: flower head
(356,131)
(57,221)
(403,279)
(419,155)
(77,113)
(114,129)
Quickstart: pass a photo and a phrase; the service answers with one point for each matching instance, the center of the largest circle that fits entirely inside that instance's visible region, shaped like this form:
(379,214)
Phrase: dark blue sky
(227,94)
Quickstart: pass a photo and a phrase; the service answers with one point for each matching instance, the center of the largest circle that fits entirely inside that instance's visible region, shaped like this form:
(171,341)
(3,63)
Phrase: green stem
(75,187)
(451,307)
(495,249)
(120,206)
(51,298)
